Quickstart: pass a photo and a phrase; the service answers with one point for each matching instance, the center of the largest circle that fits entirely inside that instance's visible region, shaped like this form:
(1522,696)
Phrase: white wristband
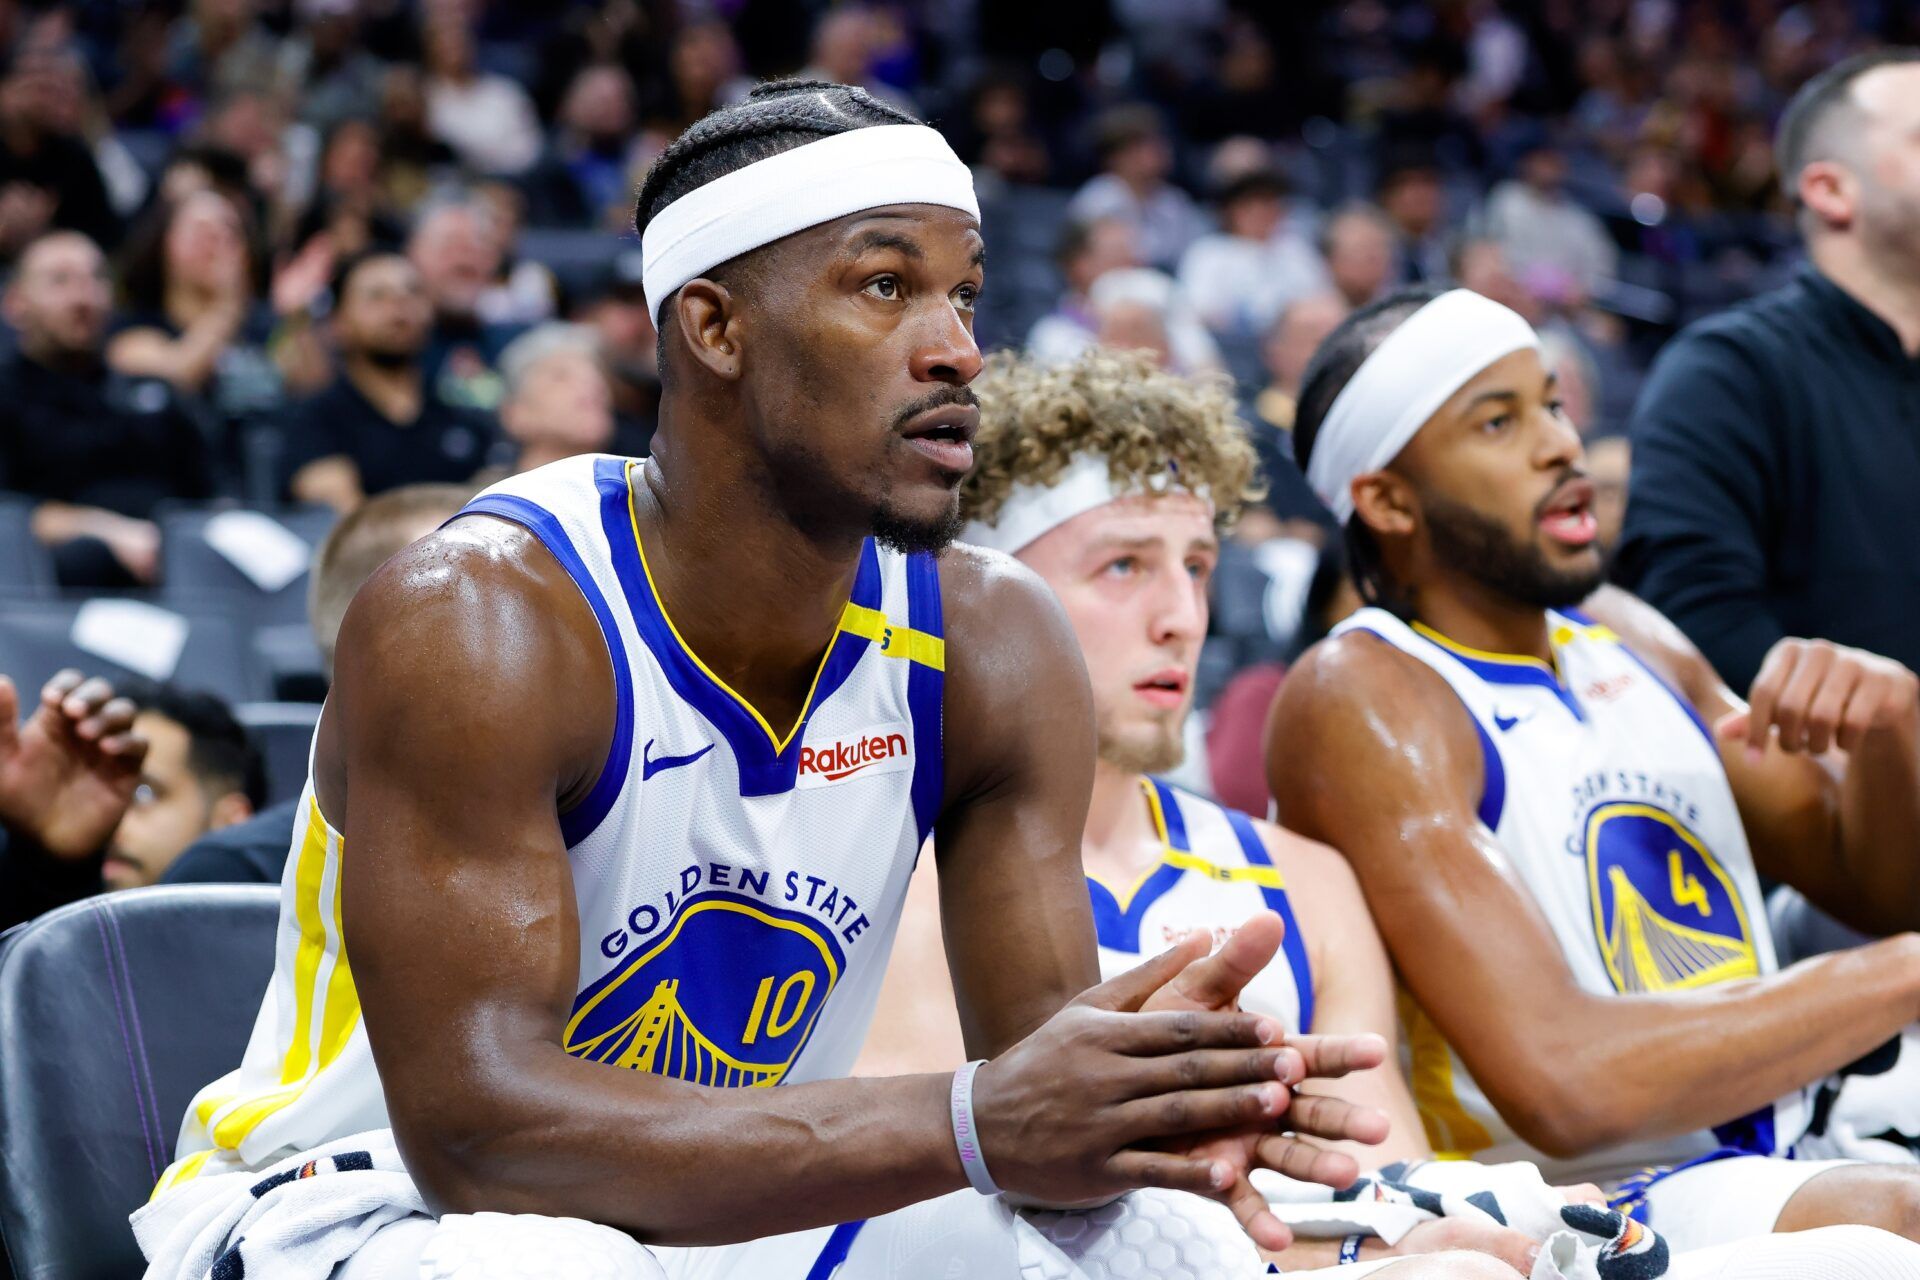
(965,1136)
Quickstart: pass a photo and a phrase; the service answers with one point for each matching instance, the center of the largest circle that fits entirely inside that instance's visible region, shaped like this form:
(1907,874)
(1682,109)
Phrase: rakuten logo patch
(885,748)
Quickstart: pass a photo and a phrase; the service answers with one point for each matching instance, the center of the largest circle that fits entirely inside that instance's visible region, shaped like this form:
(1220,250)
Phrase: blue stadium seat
(25,567)
(284,733)
(192,572)
(114,1011)
(36,641)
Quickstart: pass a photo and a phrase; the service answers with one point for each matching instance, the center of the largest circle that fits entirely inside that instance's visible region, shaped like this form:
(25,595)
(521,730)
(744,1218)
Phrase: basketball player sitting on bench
(1109,479)
(1558,813)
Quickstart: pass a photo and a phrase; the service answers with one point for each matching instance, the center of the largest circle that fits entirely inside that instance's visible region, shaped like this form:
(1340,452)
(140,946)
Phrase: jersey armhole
(1493,771)
(926,685)
(1293,942)
(579,822)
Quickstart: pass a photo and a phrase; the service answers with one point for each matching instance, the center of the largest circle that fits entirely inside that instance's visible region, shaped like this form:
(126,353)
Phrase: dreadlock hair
(777,116)
(1334,364)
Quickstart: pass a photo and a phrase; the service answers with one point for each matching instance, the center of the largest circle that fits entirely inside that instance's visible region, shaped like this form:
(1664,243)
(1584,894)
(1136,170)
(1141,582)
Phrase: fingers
(55,691)
(1767,686)
(1215,981)
(1217,1068)
(1126,992)
(1330,1057)
(114,719)
(1174,1172)
(1255,1218)
(9,710)
(85,700)
(1153,1034)
(1515,1248)
(1336,1119)
(1305,1161)
(1790,713)
(1203,1110)
(1844,685)
(1583,1193)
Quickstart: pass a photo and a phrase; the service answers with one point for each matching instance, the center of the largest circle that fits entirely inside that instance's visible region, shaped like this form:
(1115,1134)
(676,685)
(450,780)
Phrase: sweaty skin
(1394,774)
(473,704)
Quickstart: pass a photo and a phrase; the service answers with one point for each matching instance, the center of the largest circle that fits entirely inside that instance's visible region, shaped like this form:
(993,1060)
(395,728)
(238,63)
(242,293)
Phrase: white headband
(1031,510)
(773,198)
(1404,382)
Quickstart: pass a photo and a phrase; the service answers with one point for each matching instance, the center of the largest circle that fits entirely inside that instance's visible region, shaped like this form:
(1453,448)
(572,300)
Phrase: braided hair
(1333,366)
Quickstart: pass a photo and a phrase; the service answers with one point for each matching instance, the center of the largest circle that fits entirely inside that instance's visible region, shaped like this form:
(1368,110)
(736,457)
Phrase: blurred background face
(171,809)
(383,312)
(1135,326)
(599,105)
(1359,257)
(1110,245)
(60,296)
(1132,576)
(205,233)
(1415,200)
(1254,217)
(1302,327)
(562,401)
(1889,207)
(456,257)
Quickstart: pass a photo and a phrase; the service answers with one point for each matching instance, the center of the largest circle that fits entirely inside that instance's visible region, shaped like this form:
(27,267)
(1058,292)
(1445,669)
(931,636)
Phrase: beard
(1154,748)
(1482,549)
(907,534)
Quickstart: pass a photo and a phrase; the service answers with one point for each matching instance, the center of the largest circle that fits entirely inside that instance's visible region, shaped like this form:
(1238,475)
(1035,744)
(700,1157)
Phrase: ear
(708,327)
(1828,189)
(228,809)
(1384,502)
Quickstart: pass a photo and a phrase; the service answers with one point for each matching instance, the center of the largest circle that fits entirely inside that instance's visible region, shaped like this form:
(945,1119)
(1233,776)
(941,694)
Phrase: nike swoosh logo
(1504,723)
(650,766)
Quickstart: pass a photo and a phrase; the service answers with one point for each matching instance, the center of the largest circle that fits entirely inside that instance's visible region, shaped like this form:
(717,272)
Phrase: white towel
(1578,1242)
(297,1221)
(1868,1110)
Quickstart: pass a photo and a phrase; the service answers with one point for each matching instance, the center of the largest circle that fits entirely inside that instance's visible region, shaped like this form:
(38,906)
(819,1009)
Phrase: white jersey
(1605,789)
(737,889)
(1214,873)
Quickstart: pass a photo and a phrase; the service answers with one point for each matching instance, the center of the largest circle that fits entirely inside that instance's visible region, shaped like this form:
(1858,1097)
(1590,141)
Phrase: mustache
(939,398)
(1567,475)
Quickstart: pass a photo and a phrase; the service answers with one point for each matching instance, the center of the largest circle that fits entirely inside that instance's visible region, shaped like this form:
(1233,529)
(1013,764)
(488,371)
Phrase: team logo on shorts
(1665,915)
(726,996)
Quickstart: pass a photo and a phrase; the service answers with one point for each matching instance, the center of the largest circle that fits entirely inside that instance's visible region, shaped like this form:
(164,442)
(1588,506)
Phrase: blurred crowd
(305,252)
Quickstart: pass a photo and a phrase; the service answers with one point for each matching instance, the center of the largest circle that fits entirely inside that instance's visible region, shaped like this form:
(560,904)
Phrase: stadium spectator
(1086,251)
(458,253)
(1241,276)
(48,176)
(98,449)
(1135,159)
(1357,243)
(1480,264)
(616,310)
(381,424)
(585,178)
(846,41)
(255,850)
(67,774)
(486,118)
(201,773)
(1290,342)
(1140,309)
(1773,464)
(1411,195)
(1560,249)
(558,403)
(1609,463)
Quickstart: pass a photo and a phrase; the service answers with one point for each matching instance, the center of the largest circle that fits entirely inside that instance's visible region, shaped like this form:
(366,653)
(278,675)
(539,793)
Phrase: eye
(965,296)
(1557,407)
(1122,567)
(1496,424)
(1199,570)
(886,288)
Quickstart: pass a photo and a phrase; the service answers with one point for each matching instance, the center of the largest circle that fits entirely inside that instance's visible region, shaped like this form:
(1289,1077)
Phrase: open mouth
(1164,688)
(945,435)
(1567,514)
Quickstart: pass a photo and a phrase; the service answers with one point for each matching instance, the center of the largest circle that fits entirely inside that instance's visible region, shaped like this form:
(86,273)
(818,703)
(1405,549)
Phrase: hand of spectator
(1214,983)
(135,544)
(299,280)
(1818,694)
(25,211)
(68,772)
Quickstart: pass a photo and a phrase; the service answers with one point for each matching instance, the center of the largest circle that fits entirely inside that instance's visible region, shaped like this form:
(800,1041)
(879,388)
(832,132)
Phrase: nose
(948,352)
(1557,445)
(1180,608)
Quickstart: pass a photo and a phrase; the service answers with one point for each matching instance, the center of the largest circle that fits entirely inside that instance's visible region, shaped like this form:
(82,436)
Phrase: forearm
(1613,1068)
(186,361)
(56,522)
(682,1164)
(1880,829)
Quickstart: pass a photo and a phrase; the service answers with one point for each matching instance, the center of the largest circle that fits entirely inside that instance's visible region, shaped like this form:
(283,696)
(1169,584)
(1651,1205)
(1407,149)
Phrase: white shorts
(964,1236)
(1721,1201)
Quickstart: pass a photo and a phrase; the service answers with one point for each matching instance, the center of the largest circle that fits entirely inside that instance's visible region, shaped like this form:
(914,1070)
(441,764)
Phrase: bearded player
(628,767)
(1559,814)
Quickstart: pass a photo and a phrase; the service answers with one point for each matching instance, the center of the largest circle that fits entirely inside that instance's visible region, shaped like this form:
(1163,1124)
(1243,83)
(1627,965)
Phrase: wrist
(966,1130)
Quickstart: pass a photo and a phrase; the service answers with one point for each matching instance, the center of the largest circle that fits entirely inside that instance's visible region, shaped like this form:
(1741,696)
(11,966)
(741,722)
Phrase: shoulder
(1309,867)
(994,609)
(1654,639)
(1750,340)
(1355,673)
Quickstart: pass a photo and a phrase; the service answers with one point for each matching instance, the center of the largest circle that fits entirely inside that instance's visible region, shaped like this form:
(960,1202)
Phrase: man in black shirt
(98,448)
(1776,447)
(48,178)
(380,425)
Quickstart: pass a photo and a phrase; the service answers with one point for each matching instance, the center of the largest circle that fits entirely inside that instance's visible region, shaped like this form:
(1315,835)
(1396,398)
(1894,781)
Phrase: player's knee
(506,1246)
(1843,1253)
(1458,1265)
(1884,1196)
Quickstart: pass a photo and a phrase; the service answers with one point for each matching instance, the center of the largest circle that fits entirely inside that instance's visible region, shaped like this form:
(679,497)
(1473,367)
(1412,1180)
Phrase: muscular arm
(1019,740)
(1371,752)
(1843,829)
(473,693)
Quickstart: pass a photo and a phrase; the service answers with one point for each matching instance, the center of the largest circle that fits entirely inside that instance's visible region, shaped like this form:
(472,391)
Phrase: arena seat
(192,571)
(284,733)
(25,567)
(36,641)
(114,1011)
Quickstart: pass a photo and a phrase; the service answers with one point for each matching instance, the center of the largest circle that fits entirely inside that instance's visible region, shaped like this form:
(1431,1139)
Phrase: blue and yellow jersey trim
(1525,669)
(1119,913)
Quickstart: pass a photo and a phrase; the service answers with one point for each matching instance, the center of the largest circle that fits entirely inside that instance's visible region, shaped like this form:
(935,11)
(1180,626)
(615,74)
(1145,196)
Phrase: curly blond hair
(1035,419)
